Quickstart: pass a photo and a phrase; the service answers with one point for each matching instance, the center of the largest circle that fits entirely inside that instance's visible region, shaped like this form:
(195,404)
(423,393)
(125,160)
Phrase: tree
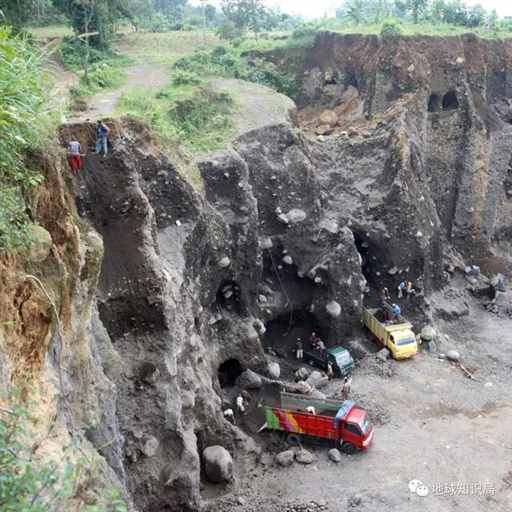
(455,12)
(492,20)
(476,16)
(355,10)
(171,9)
(417,9)
(246,14)
(16,12)
(437,11)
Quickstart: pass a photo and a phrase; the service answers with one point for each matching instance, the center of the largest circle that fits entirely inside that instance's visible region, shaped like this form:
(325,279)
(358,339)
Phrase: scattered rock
(150,446)
(453,355)
(355,501)
(303,387)
(218,464)
(296,215)
(302,373)
(428,333)
(249,380)
(334,455)
(224,262)
(274,370)
(393,271)
(317,379)
(266,243)
(288,260)
(383,354)
(304,457)
(286,458)
(328,118)
(333,308)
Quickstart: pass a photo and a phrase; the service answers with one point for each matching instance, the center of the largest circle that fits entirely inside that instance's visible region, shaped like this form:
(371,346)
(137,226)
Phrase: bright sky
(317,8)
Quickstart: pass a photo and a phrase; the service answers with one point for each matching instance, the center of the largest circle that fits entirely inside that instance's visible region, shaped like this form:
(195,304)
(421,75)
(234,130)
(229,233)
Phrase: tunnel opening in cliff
(434,103)
(228,372)
(450,101)
(371,260)
(284,331)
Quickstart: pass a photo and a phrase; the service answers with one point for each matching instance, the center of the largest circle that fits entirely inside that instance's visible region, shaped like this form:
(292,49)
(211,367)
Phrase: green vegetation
(30,485)
(242,62)
(187,112)
(25,122)
(429,17)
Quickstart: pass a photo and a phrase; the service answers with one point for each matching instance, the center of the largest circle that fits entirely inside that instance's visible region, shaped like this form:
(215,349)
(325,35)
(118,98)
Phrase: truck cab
(354,428)
(340,358)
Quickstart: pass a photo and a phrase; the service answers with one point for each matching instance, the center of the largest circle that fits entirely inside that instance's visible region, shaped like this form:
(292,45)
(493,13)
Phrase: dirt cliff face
(442,106)
(400,166)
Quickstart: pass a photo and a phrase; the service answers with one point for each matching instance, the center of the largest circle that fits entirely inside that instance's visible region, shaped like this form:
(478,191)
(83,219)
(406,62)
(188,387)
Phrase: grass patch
(186,114)
(164,48)
(242,62)
(49,32)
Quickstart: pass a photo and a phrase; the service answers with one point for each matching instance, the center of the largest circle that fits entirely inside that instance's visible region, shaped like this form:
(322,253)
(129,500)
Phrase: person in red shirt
(74,157)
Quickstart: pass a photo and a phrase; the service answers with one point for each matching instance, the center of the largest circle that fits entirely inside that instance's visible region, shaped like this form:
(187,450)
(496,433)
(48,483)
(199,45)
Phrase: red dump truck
(341,422)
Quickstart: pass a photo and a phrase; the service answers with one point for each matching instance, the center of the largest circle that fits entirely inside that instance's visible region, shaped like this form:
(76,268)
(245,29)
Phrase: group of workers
(229,414)
(391,310)
(75,148)
(316,343)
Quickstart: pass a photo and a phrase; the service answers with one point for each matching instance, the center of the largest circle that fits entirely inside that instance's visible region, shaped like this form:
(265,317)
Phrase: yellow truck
(398,337)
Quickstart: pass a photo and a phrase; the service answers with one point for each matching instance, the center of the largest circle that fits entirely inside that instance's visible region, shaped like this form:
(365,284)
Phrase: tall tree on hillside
(455,12)
(476,16)
(417,9)
(16,12)
(437,11)
(355,10)
(171,9)
(246,14)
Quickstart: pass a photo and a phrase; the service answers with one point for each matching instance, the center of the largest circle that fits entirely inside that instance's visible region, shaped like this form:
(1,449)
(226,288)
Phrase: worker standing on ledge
(102,131)
(299,350)
(74,157)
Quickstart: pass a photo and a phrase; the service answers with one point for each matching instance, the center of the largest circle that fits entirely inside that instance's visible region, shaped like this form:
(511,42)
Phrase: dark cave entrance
(450,101)
(434,103)
(284,331)
(229,297)
(228,372)
(368,255)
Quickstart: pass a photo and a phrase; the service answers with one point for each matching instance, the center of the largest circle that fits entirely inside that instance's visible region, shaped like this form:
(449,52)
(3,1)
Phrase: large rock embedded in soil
(218,464)
(286,458)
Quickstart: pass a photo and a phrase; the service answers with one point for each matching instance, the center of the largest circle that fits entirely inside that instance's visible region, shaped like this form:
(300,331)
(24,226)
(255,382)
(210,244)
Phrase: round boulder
(249,380)
(333,308)
(296,215)
(274,370)
(224,262)
(453,355)
(285,459)
(218,464)
(335,455)
(304,457)
(428,333)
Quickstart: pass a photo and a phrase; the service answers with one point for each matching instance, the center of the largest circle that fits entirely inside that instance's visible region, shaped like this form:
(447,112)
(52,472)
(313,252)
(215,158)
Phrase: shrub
(229,31)
(24,126)
(183,77)
(391,28)
(30,485)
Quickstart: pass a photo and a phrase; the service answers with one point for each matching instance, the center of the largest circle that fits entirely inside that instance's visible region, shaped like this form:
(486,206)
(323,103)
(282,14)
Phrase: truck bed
(297,422)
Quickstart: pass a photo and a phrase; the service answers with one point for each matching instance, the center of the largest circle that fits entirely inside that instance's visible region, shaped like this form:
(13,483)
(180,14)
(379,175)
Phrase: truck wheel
(293,440)
(348,448)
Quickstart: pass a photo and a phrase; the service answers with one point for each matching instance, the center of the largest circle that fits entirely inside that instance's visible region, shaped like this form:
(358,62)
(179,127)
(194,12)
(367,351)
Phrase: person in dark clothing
(102,131)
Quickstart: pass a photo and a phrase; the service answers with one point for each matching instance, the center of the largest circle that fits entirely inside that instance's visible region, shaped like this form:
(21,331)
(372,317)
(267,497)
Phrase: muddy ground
(432,424)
